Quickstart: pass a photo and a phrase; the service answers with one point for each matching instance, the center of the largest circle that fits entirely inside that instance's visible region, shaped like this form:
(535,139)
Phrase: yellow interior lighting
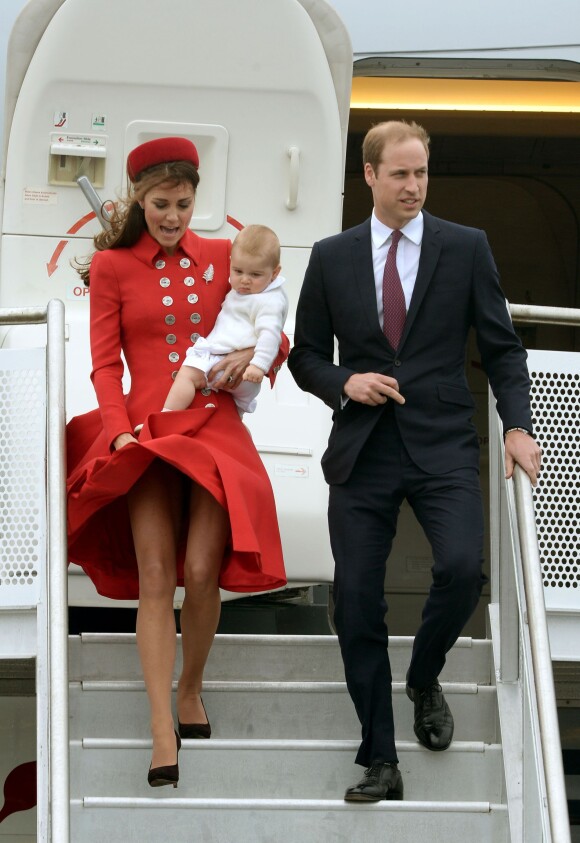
(386,93)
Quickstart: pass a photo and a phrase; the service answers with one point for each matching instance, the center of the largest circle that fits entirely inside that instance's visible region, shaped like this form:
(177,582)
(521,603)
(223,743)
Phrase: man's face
(399,186)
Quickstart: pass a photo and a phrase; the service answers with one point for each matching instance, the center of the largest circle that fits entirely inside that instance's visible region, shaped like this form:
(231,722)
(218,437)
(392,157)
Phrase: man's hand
(522,449)
(253,374)
(373,389)
(228,372)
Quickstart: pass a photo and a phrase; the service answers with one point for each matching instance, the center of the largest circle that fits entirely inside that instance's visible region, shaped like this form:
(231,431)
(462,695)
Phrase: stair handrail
(541,658)
(529,625)
(53,796)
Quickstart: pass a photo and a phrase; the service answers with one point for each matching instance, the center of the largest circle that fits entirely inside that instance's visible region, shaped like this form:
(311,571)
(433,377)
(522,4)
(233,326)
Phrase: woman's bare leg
(208,533)
(155,507)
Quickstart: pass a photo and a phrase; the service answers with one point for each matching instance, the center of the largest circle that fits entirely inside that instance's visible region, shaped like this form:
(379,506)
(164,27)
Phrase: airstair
(281,755)
(284,729)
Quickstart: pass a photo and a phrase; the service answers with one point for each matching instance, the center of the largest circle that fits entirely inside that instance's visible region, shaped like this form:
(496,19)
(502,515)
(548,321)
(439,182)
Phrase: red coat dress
(151,306)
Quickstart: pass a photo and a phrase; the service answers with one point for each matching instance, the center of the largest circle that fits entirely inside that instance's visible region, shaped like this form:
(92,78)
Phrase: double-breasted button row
(166,282)
(170,319)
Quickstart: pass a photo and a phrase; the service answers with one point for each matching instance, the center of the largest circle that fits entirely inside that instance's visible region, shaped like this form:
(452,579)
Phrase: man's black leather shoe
(433,719)
(382,780)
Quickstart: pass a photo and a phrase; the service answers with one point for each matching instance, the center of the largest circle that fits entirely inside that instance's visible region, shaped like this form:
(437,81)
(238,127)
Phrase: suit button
(195,318)
(174,374)
(184,263)
(171,339)
(206,391)
(164,282)
(173,357)
(397,362)
(170,319)
(194,337)
(167,301)
(189,281)
(193,298)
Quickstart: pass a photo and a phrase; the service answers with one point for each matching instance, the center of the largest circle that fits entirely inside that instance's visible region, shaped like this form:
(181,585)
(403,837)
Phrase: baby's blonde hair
(259,241)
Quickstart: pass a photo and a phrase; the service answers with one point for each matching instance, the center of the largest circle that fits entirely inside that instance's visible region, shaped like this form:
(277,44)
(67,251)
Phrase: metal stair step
(468,771)
(294,710)
(164,817)
(272,657)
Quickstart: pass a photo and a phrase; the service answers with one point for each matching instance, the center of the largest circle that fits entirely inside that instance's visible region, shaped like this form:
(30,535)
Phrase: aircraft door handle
(294,155)
(102,213)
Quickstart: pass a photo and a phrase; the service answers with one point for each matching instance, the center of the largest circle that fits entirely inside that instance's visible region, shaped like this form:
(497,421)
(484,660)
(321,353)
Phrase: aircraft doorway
(515,174)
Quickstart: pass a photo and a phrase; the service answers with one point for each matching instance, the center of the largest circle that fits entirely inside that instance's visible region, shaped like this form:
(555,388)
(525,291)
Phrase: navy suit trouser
(362,520)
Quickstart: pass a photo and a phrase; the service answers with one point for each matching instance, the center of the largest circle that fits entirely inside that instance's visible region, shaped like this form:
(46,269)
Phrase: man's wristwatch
(521,430)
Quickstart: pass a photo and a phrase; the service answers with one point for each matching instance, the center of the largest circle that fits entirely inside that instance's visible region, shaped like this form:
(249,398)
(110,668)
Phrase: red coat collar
(148,250)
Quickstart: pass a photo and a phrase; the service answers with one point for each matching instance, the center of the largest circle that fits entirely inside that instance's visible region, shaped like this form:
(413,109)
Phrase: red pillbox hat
(160,151)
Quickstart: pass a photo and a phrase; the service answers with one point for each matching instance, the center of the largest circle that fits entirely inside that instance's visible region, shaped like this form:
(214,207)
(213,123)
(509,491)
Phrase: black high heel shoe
(159,776)
(195,730)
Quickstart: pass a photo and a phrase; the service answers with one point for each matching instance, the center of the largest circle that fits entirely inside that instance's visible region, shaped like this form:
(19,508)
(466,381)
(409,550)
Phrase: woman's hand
(123,439)
(228,372)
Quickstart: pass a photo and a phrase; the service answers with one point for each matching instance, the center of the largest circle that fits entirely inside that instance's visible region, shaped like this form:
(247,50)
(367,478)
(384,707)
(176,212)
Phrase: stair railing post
(503,583)
(57,575)
(542,659)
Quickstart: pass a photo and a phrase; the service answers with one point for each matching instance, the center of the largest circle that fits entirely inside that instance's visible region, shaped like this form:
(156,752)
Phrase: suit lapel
(430,251)
(364,274)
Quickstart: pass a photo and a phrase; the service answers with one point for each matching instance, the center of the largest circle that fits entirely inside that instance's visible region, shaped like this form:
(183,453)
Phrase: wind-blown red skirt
(207,444)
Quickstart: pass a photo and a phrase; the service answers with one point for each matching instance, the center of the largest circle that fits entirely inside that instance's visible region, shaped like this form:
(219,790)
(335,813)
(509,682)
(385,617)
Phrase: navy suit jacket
(457,288)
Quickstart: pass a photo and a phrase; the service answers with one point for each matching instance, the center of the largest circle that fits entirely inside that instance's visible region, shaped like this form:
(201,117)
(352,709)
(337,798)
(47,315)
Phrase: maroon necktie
(394,309)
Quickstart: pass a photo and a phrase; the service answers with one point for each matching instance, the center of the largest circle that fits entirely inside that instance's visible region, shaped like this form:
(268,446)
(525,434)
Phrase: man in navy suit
(402,428)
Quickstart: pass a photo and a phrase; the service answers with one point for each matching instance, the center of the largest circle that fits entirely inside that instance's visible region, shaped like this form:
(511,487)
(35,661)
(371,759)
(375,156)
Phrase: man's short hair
(391,131)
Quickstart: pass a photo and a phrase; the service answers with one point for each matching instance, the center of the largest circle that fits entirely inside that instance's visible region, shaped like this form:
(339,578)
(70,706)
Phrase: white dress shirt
(408,253)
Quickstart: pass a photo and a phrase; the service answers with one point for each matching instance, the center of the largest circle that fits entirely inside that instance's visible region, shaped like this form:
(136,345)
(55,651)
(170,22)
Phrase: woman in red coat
(188,502)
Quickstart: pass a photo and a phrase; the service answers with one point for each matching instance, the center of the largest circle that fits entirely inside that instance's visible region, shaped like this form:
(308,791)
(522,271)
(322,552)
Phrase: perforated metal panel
(555,398)
(22,475)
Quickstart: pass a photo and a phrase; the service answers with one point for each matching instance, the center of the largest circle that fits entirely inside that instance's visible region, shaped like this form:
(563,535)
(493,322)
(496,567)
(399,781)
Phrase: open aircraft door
(263,90)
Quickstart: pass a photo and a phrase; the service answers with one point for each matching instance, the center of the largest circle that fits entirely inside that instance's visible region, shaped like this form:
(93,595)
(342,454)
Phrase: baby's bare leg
(182,392)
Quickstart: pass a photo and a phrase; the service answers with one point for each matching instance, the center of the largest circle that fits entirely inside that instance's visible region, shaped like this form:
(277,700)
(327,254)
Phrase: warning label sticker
(38,196)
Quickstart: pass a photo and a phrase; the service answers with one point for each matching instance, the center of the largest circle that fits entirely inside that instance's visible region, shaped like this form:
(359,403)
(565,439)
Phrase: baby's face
(250,273)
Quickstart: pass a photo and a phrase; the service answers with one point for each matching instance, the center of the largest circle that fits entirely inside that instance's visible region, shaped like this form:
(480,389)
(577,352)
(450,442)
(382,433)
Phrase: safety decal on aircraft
(52,265)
